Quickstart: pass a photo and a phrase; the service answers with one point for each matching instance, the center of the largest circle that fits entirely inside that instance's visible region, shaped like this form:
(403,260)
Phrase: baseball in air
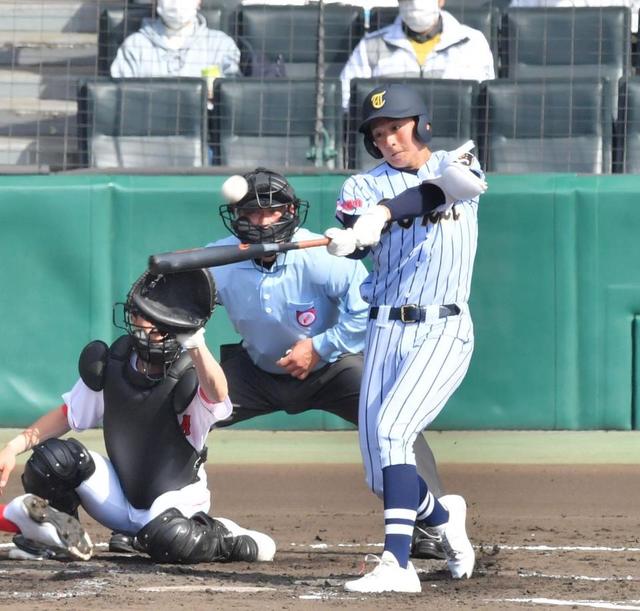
(235,188)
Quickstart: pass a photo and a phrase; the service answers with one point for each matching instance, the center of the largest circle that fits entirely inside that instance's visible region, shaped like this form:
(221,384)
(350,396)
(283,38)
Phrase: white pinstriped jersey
(411,370)
(426,263)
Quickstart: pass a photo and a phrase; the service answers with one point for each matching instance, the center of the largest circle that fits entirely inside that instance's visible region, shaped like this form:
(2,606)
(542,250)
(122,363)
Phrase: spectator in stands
(634,5)
(176,43)
(424,41)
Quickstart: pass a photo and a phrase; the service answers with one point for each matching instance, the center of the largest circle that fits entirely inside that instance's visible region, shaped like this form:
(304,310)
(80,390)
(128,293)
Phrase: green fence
(555,296)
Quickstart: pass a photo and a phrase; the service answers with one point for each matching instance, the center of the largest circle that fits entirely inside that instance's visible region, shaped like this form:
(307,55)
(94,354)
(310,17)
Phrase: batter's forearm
(414,202)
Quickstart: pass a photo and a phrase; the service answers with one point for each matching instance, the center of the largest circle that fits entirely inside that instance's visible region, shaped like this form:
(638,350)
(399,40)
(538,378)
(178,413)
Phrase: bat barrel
(171,262)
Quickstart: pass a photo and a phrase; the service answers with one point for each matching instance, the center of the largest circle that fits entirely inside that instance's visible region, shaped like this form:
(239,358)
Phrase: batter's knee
(174,538)
(55,469)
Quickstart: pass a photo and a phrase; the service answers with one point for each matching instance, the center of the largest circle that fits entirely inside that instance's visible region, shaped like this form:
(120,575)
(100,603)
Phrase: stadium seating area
(566,99)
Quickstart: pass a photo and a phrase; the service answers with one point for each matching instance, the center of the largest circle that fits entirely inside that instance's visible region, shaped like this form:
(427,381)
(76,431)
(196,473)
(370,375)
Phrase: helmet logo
(377,99)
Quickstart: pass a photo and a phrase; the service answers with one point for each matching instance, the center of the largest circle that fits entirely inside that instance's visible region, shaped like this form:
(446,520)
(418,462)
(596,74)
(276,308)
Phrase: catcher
(157,390)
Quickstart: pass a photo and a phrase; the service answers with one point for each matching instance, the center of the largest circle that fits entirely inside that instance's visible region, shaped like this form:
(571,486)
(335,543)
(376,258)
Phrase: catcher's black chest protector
(142,436)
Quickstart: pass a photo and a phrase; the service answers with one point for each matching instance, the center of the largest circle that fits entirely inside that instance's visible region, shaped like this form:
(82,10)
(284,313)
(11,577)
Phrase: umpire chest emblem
(306,318)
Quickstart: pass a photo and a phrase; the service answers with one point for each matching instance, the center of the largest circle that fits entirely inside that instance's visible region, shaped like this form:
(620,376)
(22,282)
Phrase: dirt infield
(544,534)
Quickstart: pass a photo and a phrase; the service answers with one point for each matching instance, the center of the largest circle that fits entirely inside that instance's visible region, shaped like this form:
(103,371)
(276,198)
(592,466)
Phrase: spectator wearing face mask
(176,43)
(424,41)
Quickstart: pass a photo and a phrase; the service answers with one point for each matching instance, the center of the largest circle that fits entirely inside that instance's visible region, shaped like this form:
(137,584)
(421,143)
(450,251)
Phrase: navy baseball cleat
(425,545)
(46,532)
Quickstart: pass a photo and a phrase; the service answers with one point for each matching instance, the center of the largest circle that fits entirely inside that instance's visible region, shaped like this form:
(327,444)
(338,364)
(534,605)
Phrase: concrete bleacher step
(37,48)
(26,117)
(54,83)
(57,153)
(53,15)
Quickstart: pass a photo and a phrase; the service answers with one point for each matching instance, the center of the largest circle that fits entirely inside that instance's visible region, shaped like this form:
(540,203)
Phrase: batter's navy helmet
(394,101)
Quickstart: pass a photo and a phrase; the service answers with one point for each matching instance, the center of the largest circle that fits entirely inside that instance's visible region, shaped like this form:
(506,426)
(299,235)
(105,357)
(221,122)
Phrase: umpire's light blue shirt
(310,293)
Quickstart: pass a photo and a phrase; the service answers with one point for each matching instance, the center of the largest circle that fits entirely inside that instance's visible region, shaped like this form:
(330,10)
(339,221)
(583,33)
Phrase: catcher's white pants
(410,371)
(104,500)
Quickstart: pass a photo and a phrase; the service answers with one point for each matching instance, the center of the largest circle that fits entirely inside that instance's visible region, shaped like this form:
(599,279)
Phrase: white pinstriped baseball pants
(410,371)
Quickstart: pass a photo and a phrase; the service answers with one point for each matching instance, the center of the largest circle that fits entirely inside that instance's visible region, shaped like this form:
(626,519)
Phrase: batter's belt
(416,313)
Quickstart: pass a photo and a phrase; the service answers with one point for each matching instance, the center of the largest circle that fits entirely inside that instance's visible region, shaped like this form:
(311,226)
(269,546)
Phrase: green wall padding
(556,289)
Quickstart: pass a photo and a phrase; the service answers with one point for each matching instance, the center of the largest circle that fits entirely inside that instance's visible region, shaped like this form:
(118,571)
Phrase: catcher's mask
(266,190)
(394,101)
(173,303)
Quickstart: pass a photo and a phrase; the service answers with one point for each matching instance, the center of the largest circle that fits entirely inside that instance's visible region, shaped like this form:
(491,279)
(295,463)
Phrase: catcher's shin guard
(174,538)
(55,469)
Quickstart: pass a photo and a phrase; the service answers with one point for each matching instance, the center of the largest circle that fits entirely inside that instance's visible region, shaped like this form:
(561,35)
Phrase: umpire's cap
(395,101)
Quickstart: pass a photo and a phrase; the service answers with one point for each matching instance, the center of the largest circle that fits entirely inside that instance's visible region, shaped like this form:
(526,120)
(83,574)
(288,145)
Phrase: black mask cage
(267,191)
(175,303)
(163,351)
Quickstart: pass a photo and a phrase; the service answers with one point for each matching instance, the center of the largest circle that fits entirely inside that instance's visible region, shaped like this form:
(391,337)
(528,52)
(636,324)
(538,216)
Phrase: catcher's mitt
(175,303)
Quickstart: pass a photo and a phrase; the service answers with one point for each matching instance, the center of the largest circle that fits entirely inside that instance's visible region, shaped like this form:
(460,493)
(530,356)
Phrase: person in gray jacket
(176,43)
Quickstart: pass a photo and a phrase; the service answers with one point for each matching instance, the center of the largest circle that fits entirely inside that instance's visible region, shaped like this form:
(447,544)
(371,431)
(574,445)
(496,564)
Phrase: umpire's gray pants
(334,388)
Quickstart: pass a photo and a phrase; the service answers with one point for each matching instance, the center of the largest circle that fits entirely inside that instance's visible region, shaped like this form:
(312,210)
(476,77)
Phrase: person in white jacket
(176,43)
(424,41)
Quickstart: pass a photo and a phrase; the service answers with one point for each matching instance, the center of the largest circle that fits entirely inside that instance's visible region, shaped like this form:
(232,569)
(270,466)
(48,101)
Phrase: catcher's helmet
(266,189)
(394,101)
(173,303)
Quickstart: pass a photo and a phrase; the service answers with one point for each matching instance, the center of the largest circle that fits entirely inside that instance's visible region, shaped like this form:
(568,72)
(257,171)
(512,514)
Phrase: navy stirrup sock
(430,510)
(400,502)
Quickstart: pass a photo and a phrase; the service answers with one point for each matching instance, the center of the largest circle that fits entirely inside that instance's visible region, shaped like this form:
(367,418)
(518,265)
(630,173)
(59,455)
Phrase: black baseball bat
(213,256)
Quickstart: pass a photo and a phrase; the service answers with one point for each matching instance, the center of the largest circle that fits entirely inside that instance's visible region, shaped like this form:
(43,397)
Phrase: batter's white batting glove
(369,226)
(194,339)
(457,180)
(343,241)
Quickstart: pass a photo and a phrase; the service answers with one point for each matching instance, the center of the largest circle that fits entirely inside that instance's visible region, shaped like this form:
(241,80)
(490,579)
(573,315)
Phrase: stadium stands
(256,121)
(49,47)
(627,127)
(547,125)
(566,42)
(152,123)
(292,34)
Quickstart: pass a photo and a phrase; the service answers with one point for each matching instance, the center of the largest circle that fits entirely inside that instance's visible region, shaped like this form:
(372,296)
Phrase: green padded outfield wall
(556,292)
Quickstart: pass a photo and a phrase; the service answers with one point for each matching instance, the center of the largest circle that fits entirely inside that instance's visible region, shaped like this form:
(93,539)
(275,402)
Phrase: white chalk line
(209,588)
(628,605)
(86,587)
(577,577)
(526,548)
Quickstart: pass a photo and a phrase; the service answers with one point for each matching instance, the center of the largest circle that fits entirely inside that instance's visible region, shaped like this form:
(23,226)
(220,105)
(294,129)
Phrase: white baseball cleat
(388,576)
(266,545)
(46,532)
(453,537)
